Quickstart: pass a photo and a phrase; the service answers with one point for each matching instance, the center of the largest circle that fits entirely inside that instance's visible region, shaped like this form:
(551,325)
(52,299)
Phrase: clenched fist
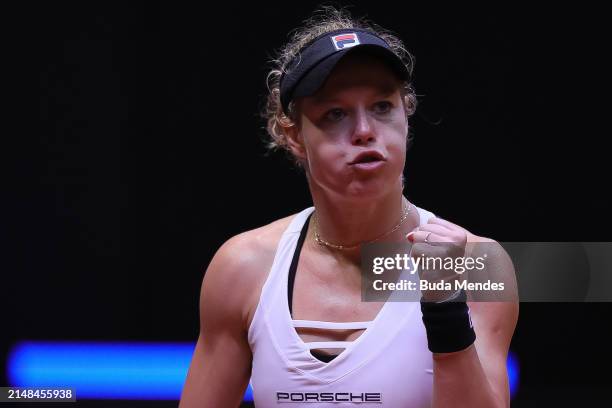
(438,244)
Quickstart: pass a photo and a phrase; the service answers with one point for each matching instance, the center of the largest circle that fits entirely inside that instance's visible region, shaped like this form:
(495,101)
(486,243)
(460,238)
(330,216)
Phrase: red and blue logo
(343,41)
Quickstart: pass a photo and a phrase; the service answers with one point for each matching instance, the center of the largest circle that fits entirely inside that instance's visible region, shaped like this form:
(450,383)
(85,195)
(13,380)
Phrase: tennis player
(281,306)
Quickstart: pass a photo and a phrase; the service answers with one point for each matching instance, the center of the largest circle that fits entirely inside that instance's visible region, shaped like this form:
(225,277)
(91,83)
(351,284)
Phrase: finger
(445,223)
(456,235)
(427,251)
(426,237)
(435,228)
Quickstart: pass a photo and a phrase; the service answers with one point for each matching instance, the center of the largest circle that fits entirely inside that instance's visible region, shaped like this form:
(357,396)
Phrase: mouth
(368,161)
(368,157)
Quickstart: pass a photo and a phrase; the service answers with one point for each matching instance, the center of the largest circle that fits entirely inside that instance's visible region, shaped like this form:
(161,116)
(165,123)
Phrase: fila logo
(343,41)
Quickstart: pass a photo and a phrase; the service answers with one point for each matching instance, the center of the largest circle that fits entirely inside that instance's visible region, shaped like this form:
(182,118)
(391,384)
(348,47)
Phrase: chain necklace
(323,242)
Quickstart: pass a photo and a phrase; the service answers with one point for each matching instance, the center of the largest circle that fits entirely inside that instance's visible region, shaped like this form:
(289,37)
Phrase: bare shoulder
(237,271)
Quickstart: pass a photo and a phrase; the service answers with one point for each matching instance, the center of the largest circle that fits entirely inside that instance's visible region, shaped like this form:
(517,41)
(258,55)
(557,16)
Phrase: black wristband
(448,325)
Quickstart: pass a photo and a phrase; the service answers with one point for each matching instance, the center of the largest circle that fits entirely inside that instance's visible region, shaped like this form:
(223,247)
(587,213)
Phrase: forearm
(460,381)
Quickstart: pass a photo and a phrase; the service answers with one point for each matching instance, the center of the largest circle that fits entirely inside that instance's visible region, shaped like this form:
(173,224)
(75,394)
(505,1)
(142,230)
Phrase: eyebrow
(384,91)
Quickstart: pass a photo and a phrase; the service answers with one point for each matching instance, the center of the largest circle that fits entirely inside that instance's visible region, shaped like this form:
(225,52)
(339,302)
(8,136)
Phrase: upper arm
(221,365)
(494,324)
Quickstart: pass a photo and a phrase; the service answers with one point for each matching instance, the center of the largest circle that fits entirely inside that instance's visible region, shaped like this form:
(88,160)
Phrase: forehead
(359,71)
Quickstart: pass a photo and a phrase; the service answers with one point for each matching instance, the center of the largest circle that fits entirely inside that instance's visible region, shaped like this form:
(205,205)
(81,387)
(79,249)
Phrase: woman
(281,305)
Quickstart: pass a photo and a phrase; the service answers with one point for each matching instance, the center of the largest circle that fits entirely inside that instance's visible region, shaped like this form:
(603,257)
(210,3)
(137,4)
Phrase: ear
(295,142)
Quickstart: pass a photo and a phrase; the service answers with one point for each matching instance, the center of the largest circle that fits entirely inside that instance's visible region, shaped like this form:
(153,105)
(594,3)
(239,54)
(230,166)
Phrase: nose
(364,132)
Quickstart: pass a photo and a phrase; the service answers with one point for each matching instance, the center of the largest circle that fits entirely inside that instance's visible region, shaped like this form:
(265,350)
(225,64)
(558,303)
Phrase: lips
(368,157)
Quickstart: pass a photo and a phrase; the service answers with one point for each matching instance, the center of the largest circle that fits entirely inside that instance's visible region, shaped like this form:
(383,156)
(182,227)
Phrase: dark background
(134,151)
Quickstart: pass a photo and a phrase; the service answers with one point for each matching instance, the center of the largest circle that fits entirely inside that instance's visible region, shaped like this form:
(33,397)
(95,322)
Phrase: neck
(350,222)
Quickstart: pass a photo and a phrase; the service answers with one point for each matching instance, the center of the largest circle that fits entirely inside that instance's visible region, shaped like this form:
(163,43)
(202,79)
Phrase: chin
(368,191)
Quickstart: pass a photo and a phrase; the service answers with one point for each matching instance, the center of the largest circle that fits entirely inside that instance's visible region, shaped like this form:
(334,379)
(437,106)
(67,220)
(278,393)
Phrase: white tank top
(388,365)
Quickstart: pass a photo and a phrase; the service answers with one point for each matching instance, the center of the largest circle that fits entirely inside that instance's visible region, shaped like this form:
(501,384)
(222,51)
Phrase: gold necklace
(323,242)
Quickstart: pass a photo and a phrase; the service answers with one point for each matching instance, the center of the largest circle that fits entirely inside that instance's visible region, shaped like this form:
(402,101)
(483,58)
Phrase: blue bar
(129,371)
(123,371)
(512,365)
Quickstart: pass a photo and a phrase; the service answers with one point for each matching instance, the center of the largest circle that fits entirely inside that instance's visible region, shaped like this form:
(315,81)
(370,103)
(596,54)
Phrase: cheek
(400,122)
(396,142)
(397,129)
(320,148)
(325,157)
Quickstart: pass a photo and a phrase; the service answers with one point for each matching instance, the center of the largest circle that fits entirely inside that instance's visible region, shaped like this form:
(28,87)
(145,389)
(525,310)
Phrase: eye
(383,107)
(335,115)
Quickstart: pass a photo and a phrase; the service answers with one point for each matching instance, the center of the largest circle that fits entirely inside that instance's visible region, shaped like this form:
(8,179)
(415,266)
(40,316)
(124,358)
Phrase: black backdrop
(136,151)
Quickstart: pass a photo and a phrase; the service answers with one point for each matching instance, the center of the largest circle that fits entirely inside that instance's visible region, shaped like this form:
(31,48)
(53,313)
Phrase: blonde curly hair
(323,20)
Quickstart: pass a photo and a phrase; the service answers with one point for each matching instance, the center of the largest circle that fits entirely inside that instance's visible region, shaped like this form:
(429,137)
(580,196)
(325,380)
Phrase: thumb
(410,235)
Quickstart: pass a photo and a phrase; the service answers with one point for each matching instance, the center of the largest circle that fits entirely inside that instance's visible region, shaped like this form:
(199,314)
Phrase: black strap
(326,358)
(294,263)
